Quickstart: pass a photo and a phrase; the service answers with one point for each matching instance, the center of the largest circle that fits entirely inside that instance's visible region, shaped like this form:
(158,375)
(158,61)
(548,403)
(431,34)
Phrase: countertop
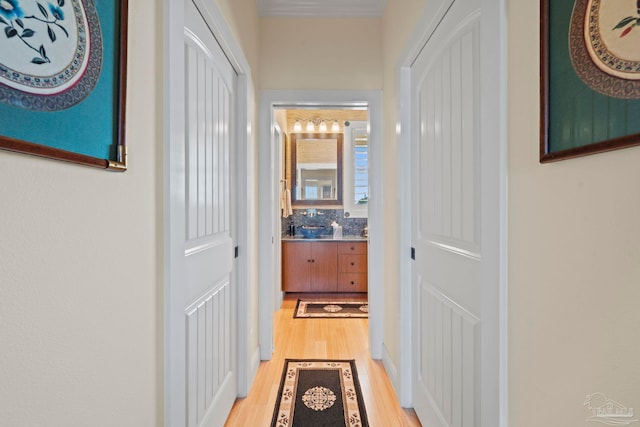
(345,238)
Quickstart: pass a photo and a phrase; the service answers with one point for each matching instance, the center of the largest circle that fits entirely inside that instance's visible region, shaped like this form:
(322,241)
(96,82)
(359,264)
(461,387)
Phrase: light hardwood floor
(321,339)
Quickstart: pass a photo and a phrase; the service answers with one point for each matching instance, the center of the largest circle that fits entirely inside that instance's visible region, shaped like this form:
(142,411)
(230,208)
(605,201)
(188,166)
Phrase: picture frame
(73,108)
(589,83)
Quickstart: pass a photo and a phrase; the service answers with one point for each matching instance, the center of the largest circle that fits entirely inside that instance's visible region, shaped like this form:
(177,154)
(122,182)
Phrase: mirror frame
(339,144)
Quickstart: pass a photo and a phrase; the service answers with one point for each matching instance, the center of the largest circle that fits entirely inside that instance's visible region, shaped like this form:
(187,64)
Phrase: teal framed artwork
(590,77)
(63,80)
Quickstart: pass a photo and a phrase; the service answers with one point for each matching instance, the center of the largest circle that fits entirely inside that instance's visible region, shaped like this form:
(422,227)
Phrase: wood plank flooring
(321,339)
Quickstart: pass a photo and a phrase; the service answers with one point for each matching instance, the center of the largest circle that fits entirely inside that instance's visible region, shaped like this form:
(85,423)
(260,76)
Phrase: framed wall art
(63,80)
(590,77)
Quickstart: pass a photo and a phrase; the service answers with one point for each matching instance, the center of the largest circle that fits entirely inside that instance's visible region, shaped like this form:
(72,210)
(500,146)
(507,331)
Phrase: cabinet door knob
(352,248)
(353,263)
(353,283)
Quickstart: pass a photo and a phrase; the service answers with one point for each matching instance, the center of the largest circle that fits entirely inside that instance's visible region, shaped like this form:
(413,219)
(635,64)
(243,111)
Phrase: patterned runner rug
(331,309)
(319,393)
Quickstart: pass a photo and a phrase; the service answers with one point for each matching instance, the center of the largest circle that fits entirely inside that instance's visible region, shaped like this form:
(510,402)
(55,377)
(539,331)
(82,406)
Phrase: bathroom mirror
(316,168)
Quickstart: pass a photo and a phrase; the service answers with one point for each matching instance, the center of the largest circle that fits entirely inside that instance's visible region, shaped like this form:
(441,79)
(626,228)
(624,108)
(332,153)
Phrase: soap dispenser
(337,230)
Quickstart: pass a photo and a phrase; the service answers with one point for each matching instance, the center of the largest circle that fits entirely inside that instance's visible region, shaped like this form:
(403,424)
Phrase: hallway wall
(320,53)
(80,277)
(574,269)
(81,272)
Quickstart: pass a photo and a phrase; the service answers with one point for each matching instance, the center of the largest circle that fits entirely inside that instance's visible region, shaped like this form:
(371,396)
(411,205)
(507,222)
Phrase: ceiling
(324,8)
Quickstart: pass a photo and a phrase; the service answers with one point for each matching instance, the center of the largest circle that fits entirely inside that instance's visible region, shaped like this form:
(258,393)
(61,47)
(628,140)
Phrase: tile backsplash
(324,218)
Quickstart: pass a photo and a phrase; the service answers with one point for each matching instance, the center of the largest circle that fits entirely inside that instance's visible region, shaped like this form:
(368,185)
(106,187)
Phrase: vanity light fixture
(321,124)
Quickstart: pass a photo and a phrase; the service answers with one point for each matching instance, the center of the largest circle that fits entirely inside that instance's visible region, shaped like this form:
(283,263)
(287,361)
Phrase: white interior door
(209,287)
(447,223)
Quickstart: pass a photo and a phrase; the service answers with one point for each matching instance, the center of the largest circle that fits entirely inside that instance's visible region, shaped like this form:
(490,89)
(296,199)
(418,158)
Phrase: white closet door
(209,289)
(446,212)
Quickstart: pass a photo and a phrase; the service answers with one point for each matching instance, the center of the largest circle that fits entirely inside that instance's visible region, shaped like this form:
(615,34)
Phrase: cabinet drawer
(352,248)
(352,263)
(352,282)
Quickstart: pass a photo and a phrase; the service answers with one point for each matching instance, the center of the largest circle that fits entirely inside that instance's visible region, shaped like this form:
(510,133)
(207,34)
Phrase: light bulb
(310,127)
(297,126)
(323,126)
(335,127)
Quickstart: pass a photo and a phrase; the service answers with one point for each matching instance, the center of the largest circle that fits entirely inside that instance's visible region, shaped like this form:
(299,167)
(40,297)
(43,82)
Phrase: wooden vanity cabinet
(324,266)
(309,266)
(352,267)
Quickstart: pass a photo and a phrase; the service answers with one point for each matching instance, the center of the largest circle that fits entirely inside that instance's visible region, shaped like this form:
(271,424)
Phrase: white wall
(80,284)
(574,269)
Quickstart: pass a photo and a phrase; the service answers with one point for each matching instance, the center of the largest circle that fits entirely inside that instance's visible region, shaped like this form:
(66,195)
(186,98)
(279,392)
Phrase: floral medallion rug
(331,309)
(319,393)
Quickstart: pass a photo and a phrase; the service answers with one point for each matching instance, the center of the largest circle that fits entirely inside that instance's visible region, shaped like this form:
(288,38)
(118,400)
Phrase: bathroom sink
(311,232)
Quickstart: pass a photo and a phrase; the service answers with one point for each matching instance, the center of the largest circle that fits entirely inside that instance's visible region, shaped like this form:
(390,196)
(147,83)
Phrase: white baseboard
(255,363)
(392,370)
(251,374)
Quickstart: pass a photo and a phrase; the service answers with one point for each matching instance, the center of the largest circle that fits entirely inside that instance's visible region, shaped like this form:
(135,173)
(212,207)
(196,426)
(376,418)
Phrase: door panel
(324,267)
(446,221)
(209,289)
(295,275)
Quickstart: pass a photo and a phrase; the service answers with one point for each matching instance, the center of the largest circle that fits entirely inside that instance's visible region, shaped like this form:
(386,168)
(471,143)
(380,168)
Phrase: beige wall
(242,17)
(80,277)
(81,285)
(574,261)
(320,53)
(573,248)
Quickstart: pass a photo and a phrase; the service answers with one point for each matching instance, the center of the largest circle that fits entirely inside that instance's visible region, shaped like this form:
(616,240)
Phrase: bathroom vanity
(324,264)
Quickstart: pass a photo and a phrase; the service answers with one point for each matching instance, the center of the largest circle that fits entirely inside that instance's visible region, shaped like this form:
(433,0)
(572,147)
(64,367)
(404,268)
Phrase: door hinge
(235,252)
(413,253)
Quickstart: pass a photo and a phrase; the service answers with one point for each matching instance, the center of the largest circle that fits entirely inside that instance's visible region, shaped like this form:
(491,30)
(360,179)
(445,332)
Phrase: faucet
(312,213)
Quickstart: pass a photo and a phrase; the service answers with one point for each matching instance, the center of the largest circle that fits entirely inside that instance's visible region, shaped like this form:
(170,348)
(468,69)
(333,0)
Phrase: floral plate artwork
(50,53)
(604,42)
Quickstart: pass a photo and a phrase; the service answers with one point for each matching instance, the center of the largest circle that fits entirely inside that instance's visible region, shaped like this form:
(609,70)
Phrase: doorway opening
(317,191)
(323,187)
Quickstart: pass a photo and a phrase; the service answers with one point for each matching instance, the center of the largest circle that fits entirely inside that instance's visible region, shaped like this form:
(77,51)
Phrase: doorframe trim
(493,400)
(338,98)
(173,192)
